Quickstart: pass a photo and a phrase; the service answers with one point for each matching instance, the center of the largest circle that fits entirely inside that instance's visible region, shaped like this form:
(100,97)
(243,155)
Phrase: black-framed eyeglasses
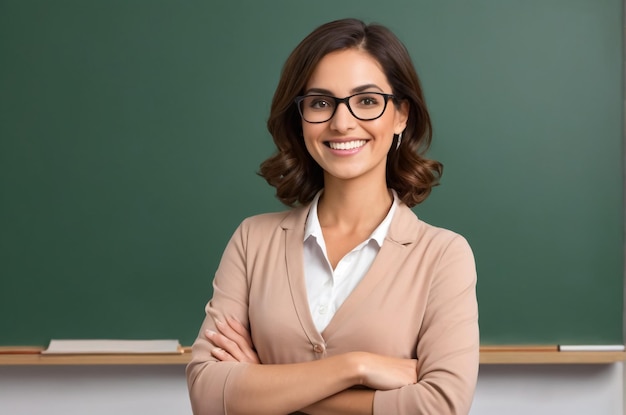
(364,106)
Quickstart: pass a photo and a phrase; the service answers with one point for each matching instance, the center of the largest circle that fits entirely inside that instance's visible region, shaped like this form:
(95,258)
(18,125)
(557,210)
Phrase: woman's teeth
(347,145)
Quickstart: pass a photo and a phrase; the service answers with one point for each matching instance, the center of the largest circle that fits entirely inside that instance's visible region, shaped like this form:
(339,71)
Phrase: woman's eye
(319,103)
(367,101)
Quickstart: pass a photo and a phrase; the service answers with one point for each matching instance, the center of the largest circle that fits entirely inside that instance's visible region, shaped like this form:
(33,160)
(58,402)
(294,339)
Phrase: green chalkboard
(131,133)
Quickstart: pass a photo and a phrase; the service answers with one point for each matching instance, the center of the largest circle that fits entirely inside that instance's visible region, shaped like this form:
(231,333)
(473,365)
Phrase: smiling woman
(347,303)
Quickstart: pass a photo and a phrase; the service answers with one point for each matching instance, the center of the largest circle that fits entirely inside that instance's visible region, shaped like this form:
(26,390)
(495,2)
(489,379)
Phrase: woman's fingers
(224,344)
(238,345)
(241,330)
(244,341)
(234,340)
(384,372)
(222,355)
(236,332)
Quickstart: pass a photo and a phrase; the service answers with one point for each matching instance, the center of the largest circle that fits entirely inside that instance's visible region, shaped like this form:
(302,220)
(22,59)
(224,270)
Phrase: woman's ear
(402,116)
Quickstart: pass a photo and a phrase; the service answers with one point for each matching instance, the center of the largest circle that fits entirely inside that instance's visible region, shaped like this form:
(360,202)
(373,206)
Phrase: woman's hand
(233,342)
(383,372)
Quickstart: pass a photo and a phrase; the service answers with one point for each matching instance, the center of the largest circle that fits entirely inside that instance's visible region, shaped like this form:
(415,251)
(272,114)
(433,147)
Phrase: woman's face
(347,148)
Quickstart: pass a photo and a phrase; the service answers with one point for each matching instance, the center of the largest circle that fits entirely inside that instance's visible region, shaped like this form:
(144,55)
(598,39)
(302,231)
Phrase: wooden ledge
(549,358)
(489,355)
(32,356)
(70,360)
(545,355)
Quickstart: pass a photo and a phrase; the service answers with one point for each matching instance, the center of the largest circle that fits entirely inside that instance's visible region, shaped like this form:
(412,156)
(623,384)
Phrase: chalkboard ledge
(505,355)
(553,357)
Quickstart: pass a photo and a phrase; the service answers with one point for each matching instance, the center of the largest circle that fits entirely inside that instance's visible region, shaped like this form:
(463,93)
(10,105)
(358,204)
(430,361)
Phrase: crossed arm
(316,388)
(224,376)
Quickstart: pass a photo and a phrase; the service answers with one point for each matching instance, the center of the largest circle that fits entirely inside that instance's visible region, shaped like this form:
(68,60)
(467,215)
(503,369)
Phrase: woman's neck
(354,206)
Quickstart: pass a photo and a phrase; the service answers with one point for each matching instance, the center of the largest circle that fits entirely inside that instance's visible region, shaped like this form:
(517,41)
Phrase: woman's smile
(345,147)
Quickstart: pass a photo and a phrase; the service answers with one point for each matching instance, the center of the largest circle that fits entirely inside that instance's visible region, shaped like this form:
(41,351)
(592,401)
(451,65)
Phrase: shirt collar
(313,228)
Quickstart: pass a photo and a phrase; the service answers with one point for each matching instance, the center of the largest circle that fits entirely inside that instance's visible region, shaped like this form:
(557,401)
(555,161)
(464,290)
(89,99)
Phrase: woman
(347,303)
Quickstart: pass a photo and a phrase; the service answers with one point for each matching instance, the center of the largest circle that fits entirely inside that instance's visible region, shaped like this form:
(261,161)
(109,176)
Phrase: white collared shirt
(326,288)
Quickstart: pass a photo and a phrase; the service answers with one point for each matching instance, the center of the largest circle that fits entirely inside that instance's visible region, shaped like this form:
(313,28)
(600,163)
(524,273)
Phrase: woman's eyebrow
(356,90)
(366,87)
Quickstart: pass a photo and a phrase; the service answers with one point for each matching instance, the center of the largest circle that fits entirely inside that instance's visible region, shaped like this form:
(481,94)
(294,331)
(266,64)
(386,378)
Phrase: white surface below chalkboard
(162,390)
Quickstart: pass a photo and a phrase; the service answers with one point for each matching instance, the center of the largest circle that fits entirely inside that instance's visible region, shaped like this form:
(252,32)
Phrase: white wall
(162,390)
(550,389)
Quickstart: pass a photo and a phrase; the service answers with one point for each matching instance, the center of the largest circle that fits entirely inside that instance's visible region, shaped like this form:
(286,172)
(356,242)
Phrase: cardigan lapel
(403,231)
(293,228)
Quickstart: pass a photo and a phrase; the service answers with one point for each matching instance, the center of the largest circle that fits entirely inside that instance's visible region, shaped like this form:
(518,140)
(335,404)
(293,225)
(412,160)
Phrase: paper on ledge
(592,348)
(113,347)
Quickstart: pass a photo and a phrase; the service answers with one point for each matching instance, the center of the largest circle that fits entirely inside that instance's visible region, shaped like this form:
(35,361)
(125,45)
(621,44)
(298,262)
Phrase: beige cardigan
(417,300)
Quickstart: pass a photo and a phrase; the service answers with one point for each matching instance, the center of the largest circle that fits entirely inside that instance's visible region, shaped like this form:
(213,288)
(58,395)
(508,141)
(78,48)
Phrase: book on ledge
(106,346)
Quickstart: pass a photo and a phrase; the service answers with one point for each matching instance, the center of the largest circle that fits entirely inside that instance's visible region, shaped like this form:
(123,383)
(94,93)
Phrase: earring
(399,141)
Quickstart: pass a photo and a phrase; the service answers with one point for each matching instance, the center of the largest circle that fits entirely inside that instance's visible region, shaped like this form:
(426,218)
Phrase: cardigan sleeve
(448,342)
(208,379)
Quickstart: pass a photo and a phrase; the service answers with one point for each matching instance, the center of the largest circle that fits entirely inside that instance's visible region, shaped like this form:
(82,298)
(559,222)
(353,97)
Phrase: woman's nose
(343,119)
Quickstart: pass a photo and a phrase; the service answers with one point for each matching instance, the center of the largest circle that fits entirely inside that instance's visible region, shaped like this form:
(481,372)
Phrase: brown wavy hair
(292,170)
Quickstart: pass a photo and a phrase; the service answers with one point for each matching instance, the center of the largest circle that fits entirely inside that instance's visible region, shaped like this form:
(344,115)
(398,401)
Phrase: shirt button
(319,348)
(323,309)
